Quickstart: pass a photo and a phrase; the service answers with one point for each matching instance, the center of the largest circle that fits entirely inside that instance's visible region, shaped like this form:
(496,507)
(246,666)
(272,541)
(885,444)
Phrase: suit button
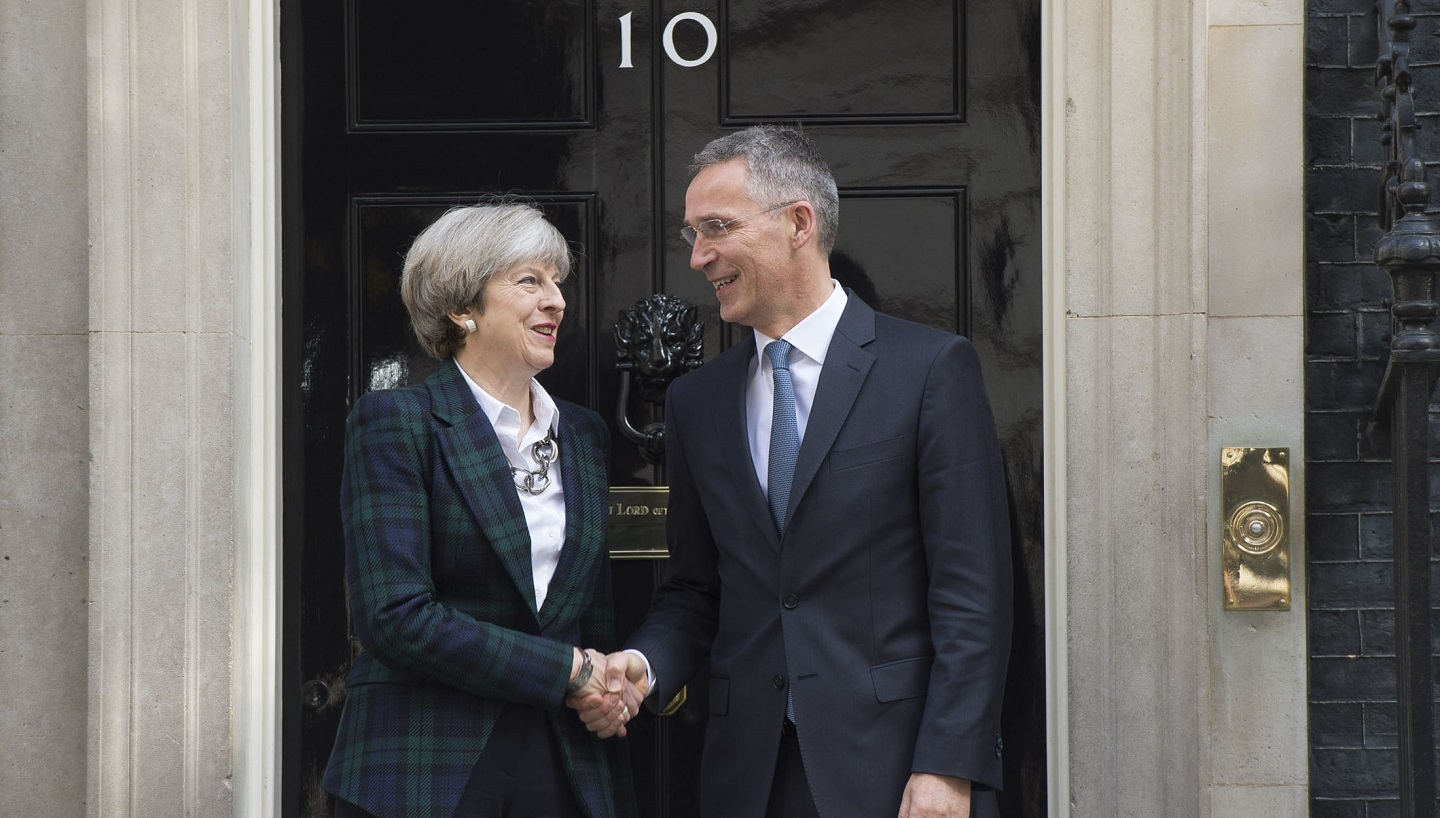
(778,681)
(790,601)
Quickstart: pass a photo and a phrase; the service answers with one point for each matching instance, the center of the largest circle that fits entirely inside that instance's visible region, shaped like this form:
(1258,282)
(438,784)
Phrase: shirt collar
(812,335)
(503,414)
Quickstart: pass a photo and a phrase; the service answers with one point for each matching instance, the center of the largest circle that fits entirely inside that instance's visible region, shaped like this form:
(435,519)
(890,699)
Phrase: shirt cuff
(649,674)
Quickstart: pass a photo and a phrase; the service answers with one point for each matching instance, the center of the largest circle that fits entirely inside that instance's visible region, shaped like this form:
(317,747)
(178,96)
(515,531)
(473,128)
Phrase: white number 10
(712,38)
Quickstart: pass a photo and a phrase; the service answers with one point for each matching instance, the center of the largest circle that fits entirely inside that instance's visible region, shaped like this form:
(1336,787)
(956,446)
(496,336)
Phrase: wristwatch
(587,667)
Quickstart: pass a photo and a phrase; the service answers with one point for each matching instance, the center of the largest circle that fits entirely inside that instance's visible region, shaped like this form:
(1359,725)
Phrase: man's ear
(803,226)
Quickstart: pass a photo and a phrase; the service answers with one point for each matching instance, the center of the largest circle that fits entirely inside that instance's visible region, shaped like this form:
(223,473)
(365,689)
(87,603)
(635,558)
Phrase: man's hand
(613,695)
(935,796)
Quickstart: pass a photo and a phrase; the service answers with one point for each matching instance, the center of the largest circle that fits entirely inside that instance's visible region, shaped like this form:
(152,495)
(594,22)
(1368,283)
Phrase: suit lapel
(481,473)
(586,494)
(846,365)
(734,439)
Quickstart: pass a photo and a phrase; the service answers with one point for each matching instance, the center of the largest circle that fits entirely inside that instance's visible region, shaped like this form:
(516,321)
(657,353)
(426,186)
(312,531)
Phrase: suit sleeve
(385,501)
(964,524)
(597,628)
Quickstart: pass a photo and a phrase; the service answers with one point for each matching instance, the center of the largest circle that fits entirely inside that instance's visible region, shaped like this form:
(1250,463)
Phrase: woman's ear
(464,320)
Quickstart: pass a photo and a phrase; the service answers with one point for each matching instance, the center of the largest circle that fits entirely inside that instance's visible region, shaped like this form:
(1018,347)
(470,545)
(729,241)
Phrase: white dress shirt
(544,512)
(810,340)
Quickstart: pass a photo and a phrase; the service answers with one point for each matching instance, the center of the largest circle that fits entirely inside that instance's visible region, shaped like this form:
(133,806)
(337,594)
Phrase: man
(851,592)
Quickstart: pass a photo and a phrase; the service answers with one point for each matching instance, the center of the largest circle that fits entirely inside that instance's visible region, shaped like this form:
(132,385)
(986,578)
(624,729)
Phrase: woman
(474,510)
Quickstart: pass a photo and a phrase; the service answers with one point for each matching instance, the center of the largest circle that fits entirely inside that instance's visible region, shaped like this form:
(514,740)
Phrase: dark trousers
(790,791)
(519,775)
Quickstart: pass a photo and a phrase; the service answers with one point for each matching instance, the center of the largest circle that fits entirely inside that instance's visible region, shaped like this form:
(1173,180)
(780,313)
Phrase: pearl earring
(470,325)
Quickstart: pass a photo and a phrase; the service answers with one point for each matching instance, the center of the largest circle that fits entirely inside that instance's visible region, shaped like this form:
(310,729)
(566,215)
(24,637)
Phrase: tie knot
(779,354)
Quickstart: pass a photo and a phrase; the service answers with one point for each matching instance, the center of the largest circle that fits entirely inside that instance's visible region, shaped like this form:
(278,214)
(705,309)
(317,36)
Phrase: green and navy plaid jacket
(437,559)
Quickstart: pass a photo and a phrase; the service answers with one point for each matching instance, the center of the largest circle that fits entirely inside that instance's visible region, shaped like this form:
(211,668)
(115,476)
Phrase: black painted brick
(1367,235)
(1429,143)
(1325,808)
(1342,189)
(1364,45)
(1377,632)
(1320,8)
(1330,237)
(1342,384)
(1383,809)
(1331,536)
(1377,536)
(1327,141)
(1348,486)
(1332,437)
(1327,41)
(1345,286)
(1365,678)
(1339,91)
(1365,146)
(1360,772)
(1381,732)
(1374,335)
(1338,725)
(1334,633)
(1350,625)
(1332,335)
(1353,584)
(1424,47)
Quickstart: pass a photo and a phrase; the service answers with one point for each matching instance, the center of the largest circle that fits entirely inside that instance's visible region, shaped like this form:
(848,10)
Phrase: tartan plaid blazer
(442,600)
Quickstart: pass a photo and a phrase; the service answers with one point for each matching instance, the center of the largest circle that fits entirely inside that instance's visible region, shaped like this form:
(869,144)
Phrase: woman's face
(517,330)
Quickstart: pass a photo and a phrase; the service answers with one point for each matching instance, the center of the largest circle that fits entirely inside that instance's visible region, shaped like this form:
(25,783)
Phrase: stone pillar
(1173,161)
(43,408)
(1255,155)
(162,280)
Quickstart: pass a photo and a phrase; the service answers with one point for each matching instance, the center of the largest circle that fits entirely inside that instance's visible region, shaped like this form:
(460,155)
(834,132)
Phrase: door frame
(257,688)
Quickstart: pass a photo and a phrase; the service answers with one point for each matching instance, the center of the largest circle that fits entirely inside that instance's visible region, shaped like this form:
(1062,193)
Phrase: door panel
(926,109)
(871,62)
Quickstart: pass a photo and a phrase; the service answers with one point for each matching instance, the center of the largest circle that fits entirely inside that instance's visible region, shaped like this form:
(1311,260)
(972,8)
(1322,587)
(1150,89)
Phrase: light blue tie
(784,433)
(784,448)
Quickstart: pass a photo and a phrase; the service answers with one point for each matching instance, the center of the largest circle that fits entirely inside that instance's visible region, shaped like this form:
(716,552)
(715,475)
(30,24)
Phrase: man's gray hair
(452,260)
(784,166)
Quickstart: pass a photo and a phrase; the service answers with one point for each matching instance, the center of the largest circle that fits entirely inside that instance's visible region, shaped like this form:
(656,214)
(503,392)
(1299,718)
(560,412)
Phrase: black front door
(926,109)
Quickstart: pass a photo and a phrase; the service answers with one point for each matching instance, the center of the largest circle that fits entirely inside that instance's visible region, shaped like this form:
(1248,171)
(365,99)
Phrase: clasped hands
(612,695)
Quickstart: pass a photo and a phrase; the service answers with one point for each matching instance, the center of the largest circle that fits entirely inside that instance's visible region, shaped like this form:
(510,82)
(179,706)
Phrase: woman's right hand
(613,693)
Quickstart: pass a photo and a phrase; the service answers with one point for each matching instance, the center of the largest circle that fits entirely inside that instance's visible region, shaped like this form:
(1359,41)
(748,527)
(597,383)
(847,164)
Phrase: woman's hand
(612,695)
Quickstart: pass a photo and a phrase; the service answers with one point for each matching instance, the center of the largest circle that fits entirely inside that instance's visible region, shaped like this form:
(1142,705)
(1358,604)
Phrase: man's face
(749,266)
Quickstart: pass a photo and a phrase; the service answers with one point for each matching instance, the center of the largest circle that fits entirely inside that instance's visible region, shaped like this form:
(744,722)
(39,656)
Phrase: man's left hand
(935,796)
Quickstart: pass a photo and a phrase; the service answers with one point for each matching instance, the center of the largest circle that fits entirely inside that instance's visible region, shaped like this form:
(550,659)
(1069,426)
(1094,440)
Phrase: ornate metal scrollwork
(656,341)
(1410,253)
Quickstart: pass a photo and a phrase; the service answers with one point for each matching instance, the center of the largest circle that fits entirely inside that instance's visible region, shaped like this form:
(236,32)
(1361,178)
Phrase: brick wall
(1353,764)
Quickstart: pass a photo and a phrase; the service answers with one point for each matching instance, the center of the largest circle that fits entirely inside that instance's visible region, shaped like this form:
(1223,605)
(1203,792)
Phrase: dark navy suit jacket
(885,608)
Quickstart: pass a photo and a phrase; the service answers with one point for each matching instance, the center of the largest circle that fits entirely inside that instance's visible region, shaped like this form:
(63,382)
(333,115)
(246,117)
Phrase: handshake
(611,693)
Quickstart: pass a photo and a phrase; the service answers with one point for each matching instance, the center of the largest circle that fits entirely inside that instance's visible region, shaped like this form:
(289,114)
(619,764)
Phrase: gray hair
(452,260)
(784,166)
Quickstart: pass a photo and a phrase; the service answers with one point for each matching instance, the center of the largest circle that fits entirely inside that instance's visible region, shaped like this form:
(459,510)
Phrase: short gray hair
(784,166)
(452,260)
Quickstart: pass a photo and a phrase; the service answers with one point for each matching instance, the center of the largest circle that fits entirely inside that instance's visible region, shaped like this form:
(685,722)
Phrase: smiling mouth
(548,330)
(723,282)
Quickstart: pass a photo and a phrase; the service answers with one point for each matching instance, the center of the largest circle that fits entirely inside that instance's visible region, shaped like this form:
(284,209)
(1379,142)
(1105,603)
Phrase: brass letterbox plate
(1255,528)
(637,522)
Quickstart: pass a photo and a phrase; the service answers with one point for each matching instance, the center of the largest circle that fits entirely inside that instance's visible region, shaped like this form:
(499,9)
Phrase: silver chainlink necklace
(535,482)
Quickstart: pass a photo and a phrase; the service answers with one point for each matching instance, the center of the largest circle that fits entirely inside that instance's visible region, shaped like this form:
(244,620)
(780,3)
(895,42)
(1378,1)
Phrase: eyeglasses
(715,229)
